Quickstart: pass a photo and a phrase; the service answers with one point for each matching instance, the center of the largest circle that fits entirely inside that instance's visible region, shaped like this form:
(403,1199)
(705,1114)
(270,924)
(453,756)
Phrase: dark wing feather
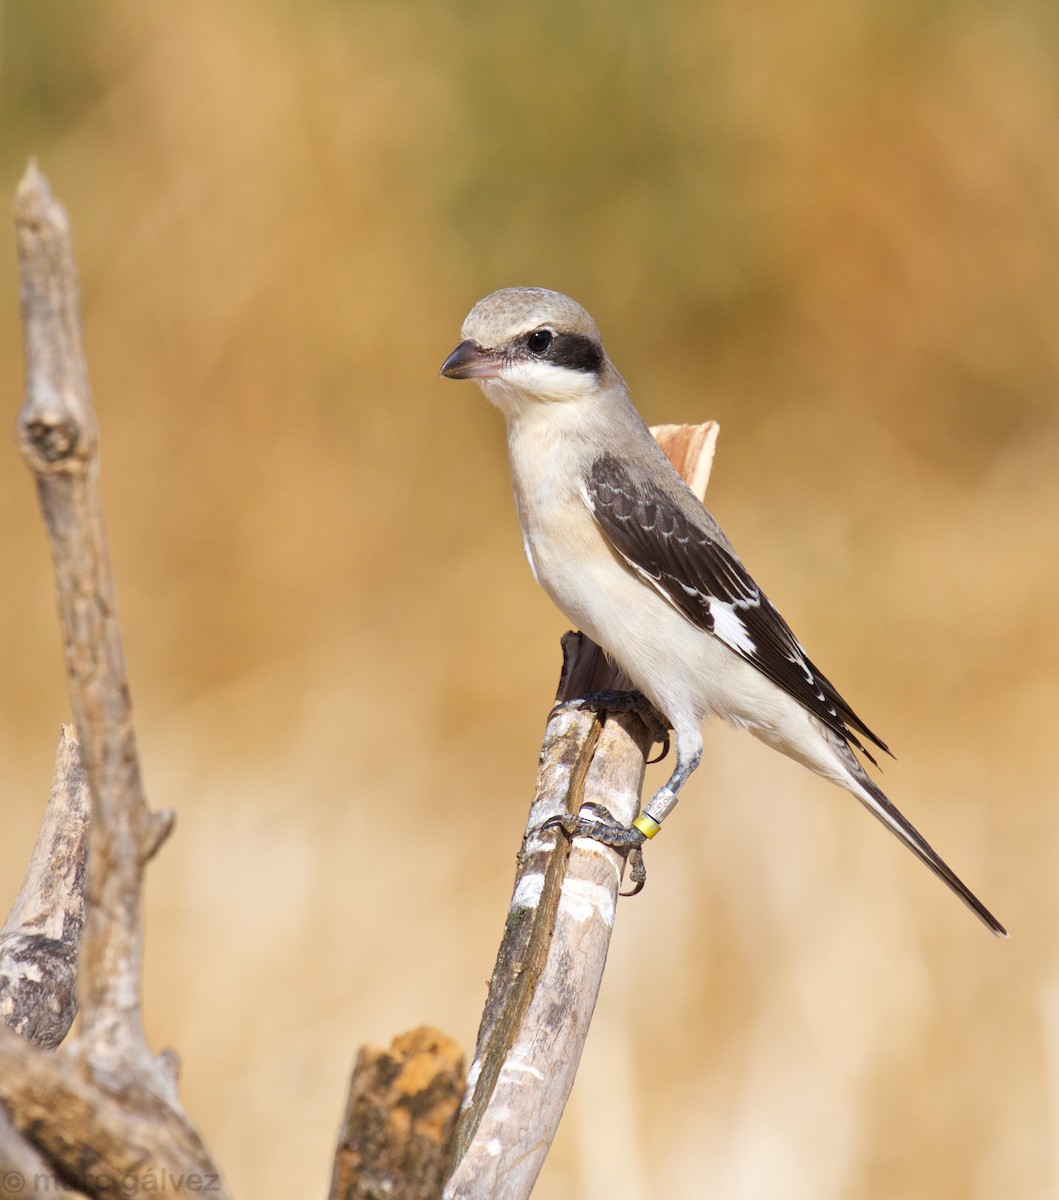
(701,577)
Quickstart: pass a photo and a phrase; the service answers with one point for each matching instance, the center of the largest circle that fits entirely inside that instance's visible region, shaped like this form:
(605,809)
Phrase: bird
(632,557)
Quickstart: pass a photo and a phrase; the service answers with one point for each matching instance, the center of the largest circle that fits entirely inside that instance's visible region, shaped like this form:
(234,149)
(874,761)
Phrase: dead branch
(96,1139)
(58,439)
(555,942)
(25,1173)
(108,1099)
(39,948)
(400,1119)
(41,939)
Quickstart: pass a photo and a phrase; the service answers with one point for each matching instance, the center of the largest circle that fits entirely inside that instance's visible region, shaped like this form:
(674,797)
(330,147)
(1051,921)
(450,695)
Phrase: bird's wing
(671,548)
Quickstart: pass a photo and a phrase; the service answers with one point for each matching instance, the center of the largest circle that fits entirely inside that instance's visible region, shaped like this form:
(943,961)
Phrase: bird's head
(529,345)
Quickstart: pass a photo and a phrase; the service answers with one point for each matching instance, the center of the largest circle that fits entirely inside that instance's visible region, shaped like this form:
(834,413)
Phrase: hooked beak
(471,361)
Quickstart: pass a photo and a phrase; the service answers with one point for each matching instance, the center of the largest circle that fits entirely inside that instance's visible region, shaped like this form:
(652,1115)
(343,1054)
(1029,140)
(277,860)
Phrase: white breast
(685,671)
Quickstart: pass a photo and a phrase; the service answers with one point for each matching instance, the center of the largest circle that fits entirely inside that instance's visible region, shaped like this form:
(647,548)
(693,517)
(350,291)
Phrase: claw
(637,871)
(605,828)
(664,741)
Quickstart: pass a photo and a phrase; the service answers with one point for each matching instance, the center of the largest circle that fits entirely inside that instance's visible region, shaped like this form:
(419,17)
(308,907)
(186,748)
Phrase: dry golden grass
(832,227)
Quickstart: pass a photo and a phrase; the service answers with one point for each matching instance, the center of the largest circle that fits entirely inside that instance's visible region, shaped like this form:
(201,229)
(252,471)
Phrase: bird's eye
(539,341)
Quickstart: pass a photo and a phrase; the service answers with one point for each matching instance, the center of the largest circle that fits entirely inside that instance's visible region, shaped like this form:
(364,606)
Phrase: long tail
(873,799)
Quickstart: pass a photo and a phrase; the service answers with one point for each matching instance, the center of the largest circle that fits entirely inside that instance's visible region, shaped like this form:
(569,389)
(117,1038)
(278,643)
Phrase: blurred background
(834,228)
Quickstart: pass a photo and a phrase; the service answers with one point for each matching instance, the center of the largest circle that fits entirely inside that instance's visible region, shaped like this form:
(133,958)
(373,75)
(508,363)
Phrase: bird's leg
(662,803)
(617,700)
(628,840)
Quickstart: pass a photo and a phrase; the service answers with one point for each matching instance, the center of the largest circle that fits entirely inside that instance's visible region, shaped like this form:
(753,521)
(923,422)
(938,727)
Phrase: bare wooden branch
(107,1107)
(25,1173)
(58,439)
(551,961)
(41,939)
(396,1137)
(551,958)
(97,1141)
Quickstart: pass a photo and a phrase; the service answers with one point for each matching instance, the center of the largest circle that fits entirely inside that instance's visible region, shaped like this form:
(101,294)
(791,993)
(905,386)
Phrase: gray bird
(628,553)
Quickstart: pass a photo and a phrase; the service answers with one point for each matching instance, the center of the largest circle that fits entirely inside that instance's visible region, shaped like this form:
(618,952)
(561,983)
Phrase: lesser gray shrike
(628,553)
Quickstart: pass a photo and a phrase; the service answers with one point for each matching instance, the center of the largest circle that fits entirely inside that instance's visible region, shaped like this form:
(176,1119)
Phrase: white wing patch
(729,627)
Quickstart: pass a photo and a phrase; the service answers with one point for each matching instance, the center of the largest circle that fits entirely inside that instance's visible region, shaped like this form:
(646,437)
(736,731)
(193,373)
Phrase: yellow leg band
(648,826)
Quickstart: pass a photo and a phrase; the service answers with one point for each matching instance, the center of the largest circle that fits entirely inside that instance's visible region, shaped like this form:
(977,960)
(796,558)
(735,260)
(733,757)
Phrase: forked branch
(107,1100)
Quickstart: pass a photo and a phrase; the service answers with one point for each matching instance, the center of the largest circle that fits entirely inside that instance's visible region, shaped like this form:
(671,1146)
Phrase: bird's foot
(617,700)
(605,828)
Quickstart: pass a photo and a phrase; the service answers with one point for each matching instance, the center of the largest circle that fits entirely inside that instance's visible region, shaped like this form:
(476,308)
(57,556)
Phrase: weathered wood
(551,958)
(107,1144)
(108,1107)
(41,939)
(396,1137)
(58,438)
(25,1174)
(690,448)
(569,740)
